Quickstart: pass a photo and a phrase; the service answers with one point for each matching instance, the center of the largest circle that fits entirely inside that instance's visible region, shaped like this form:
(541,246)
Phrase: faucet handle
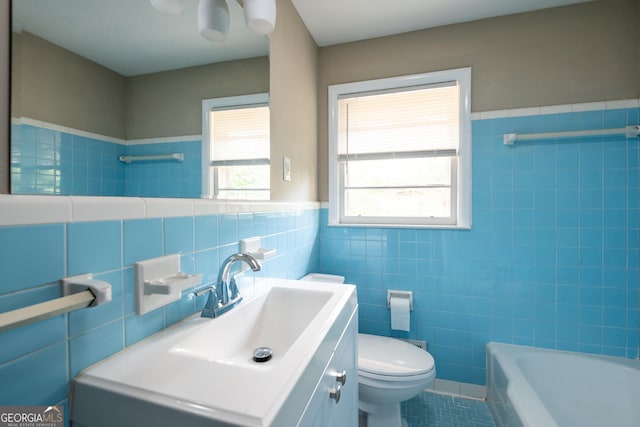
(204,290)
(212,304)
(233,287)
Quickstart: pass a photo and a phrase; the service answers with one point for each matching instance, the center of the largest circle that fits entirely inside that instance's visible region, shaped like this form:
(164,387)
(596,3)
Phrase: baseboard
(455,388)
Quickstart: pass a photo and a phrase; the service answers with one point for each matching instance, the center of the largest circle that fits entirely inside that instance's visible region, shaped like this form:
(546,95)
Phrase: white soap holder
(263,253)
(251,245)
(159,282)
(171,284)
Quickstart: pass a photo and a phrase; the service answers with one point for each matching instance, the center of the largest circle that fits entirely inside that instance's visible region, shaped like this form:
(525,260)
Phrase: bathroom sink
(201,371)
(275,320)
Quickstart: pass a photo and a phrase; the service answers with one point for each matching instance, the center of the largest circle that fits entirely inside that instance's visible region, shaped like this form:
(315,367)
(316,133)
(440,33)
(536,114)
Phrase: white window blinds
(410,122)
(239,134)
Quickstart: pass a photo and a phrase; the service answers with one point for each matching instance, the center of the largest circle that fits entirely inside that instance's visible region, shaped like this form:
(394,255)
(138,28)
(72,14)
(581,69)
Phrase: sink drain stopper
(262,354)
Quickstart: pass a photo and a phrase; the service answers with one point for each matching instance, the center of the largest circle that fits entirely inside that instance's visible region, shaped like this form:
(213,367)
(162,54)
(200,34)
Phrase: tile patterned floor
(439,410)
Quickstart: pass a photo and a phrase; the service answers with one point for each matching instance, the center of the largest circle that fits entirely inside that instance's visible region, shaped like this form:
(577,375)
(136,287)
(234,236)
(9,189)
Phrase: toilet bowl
(390,371)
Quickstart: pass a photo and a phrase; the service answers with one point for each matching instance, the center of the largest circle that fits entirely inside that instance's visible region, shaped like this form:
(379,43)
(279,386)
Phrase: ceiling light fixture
(213,19)
(171,7)
(260,15)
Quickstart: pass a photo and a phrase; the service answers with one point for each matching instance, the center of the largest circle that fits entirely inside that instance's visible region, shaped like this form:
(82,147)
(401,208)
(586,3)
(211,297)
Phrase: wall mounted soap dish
(159,282)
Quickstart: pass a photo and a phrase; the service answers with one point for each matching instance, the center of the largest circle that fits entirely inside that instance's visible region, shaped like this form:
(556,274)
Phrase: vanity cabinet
(335,400)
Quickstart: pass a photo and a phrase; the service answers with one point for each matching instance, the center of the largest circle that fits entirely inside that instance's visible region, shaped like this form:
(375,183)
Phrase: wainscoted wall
(552,259)
(51,159)
(54,237)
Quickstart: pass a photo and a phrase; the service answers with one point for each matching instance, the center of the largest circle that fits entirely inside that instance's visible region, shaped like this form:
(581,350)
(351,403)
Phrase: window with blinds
(396,149)
(239,145)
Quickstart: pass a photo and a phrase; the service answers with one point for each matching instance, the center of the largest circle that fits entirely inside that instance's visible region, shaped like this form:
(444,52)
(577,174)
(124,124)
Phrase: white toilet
(390,371)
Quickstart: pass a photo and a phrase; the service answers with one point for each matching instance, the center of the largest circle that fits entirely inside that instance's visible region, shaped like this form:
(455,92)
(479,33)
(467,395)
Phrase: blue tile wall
(40,359)
(552,259)
(45,161)
(165,178)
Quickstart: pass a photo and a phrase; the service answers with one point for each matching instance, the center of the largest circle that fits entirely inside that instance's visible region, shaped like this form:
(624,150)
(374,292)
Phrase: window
(400,151)
(236,146)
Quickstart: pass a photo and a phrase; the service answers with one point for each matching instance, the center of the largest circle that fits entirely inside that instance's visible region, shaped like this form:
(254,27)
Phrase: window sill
(409,226)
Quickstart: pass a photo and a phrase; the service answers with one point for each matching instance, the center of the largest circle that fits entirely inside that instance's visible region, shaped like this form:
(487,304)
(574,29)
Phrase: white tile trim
(87,208)
(208,207)
(159,207)
(78,132)
(557,109)
(58,128)
(525,112)
(624,103)
(24,210)
(590,106)
(32,209)
(164,140)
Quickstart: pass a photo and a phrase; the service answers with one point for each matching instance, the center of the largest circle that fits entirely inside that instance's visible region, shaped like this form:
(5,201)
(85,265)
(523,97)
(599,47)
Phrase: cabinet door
(324,410)
(344,413)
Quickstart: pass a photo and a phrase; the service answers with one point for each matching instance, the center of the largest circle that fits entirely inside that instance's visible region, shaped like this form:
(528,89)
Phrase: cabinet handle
(341,377)
(334,393)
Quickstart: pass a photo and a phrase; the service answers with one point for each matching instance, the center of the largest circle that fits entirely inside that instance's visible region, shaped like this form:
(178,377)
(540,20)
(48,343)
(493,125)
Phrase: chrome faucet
(224,296)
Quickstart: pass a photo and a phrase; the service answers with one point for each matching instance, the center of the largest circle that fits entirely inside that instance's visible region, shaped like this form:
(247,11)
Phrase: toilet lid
(388,356)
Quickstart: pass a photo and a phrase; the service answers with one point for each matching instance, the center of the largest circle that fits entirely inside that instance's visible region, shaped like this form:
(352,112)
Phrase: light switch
(286,169)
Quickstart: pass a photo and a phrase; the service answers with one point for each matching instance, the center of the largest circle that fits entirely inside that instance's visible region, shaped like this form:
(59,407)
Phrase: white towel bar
(173,156)
(80,292)
(629,132)
(45,310)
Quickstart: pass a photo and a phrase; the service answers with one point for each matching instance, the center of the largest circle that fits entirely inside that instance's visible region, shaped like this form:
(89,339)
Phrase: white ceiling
(338,21)
(131,37)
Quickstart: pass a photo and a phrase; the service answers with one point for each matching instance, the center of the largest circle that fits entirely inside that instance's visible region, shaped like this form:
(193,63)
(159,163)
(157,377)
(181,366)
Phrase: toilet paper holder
(399,294)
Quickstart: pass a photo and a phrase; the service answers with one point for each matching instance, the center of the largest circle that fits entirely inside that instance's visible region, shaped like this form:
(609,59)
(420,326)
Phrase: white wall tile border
(58,128)
(23,210)
(78,132)
(164,140)
(557,109)
(208,207)
(624,103)
(159,207)
(590,106)
(32,209)
(106,208)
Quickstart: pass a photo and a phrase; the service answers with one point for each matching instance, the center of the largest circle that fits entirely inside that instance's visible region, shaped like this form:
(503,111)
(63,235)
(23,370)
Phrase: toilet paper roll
(400,317)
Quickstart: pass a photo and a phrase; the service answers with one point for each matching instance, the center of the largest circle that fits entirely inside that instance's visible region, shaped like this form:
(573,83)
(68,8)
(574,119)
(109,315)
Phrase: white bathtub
(535,387)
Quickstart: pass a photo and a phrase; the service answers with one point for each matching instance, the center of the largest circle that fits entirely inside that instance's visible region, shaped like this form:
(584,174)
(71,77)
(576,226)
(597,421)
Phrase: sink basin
(201,371)
(275,320)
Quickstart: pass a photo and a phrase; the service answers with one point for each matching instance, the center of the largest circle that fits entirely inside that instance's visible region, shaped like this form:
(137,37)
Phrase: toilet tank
(319,277)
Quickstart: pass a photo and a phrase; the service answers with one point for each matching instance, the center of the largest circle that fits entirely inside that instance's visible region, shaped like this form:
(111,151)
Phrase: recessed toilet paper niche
(401,304)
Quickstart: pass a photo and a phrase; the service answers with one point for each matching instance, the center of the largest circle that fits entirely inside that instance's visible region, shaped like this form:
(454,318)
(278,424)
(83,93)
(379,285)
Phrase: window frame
(462,179)
(230,102)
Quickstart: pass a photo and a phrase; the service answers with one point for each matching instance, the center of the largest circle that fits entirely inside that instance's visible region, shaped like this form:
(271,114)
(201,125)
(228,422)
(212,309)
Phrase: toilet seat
(383,357)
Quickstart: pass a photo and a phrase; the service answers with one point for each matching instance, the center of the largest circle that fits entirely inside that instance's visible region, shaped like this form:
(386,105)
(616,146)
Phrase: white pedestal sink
(201,371)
